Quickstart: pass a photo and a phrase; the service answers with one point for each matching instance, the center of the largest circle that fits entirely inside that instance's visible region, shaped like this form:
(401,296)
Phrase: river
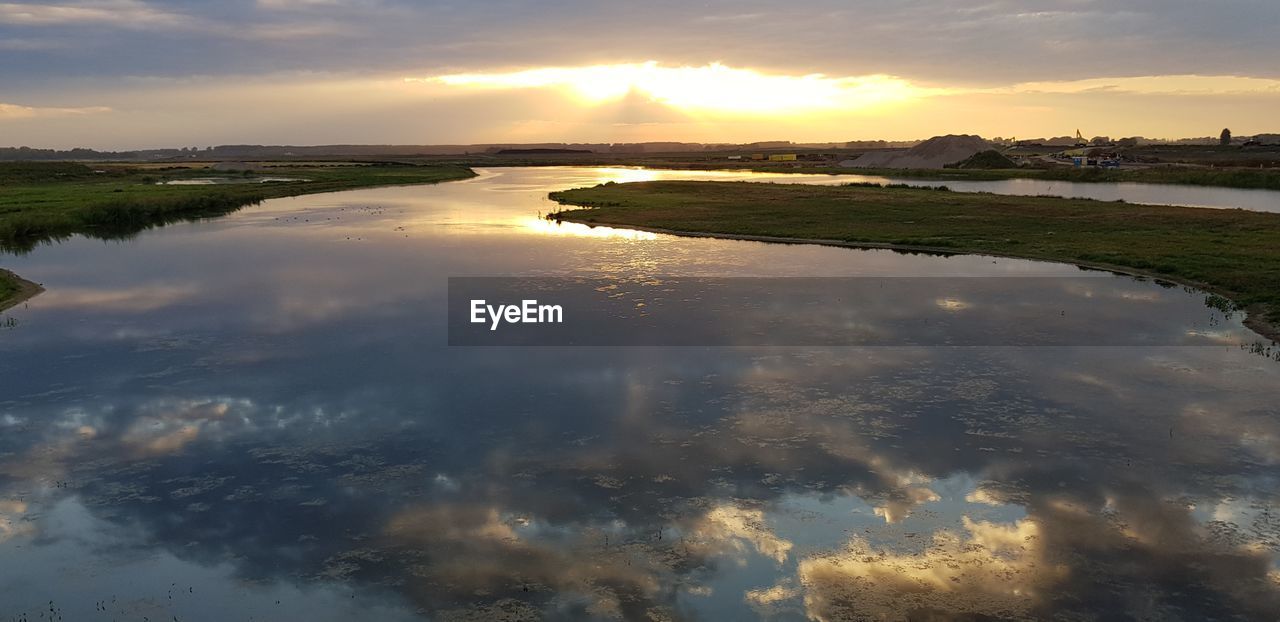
(259,417)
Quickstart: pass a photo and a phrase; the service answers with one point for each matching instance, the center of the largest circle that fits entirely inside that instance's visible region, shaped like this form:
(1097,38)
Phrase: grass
(8,287)
(1234,253)
(46,201)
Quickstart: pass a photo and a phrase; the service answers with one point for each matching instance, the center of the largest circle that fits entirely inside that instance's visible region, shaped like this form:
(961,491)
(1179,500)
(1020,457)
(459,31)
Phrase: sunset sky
(120,74)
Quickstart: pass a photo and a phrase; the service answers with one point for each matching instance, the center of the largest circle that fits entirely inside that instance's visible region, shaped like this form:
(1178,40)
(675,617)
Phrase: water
(1147,194)
(258,417)
(1130,192)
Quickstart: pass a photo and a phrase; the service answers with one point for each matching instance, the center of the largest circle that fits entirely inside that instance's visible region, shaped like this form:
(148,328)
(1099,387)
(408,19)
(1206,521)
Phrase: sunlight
(604,175)
(543,226)
(713,88)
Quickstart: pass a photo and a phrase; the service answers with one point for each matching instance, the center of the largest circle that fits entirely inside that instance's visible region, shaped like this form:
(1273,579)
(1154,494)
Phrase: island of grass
(44,201)
(1232,253)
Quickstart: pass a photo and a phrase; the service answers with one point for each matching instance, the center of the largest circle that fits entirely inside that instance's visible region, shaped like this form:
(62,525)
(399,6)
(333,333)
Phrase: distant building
(783,157)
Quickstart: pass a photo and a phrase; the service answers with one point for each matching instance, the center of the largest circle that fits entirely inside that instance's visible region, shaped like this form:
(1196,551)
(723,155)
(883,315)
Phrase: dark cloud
(987,42)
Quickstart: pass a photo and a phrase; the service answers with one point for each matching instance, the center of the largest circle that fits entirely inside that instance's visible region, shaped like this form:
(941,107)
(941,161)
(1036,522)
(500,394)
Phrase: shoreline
(56,202)
(26,290)
(1253,319)
(136,214)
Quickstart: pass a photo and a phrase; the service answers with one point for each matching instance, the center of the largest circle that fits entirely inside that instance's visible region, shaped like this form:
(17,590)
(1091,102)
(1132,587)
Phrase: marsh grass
(42,202)
(47,201)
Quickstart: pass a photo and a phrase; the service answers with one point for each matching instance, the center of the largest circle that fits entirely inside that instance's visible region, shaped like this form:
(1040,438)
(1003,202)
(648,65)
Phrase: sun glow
(542,226)
(712,88)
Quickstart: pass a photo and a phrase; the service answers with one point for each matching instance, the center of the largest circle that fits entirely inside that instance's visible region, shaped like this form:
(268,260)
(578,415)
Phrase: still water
(258,418)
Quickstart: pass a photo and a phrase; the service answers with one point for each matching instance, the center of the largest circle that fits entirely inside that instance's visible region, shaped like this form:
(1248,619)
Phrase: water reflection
(547,227)
(269,424)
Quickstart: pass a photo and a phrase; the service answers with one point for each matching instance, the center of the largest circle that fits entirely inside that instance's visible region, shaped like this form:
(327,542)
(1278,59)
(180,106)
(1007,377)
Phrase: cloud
(16,111)
(294,5)
(667,70)
(1001,41)
(1154,85)
(731,528)
(135,15)
(13,513)
(135,299)
(30,44)
(120,13)
(502,106)
(990,570)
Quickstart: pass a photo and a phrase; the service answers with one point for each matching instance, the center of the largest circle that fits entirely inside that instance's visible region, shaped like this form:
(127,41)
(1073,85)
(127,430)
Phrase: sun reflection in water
(551,227)
(952,304)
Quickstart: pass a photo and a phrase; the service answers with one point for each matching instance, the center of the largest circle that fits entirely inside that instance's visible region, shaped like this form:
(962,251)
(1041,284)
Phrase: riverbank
(15,290)
(1231,253)
(45,201)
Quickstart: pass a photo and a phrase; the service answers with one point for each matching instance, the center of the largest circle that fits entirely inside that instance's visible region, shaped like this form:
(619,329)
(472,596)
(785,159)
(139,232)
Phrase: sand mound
(936,152)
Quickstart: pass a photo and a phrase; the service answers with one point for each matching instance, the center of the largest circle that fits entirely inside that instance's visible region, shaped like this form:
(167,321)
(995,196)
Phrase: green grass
(46,201)
(7,287)
(1234,253)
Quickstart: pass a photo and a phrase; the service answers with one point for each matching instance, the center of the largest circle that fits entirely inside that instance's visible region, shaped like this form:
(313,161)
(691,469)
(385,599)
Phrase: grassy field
(8,286)
(1233,253)
(44,201)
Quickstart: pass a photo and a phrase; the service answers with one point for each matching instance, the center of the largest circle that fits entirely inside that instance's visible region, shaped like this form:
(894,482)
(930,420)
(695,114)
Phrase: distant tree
(1225,137)
(1131,141)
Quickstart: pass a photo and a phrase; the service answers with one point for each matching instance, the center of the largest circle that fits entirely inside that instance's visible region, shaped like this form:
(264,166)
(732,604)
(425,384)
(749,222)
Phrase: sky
(126,74)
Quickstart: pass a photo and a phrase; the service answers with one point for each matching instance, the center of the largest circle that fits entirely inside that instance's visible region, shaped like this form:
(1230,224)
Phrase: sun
(712,88)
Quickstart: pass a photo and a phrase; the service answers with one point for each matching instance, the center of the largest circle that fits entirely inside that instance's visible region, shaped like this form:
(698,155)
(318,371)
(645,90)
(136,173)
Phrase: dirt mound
(987,159)
(936,152)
